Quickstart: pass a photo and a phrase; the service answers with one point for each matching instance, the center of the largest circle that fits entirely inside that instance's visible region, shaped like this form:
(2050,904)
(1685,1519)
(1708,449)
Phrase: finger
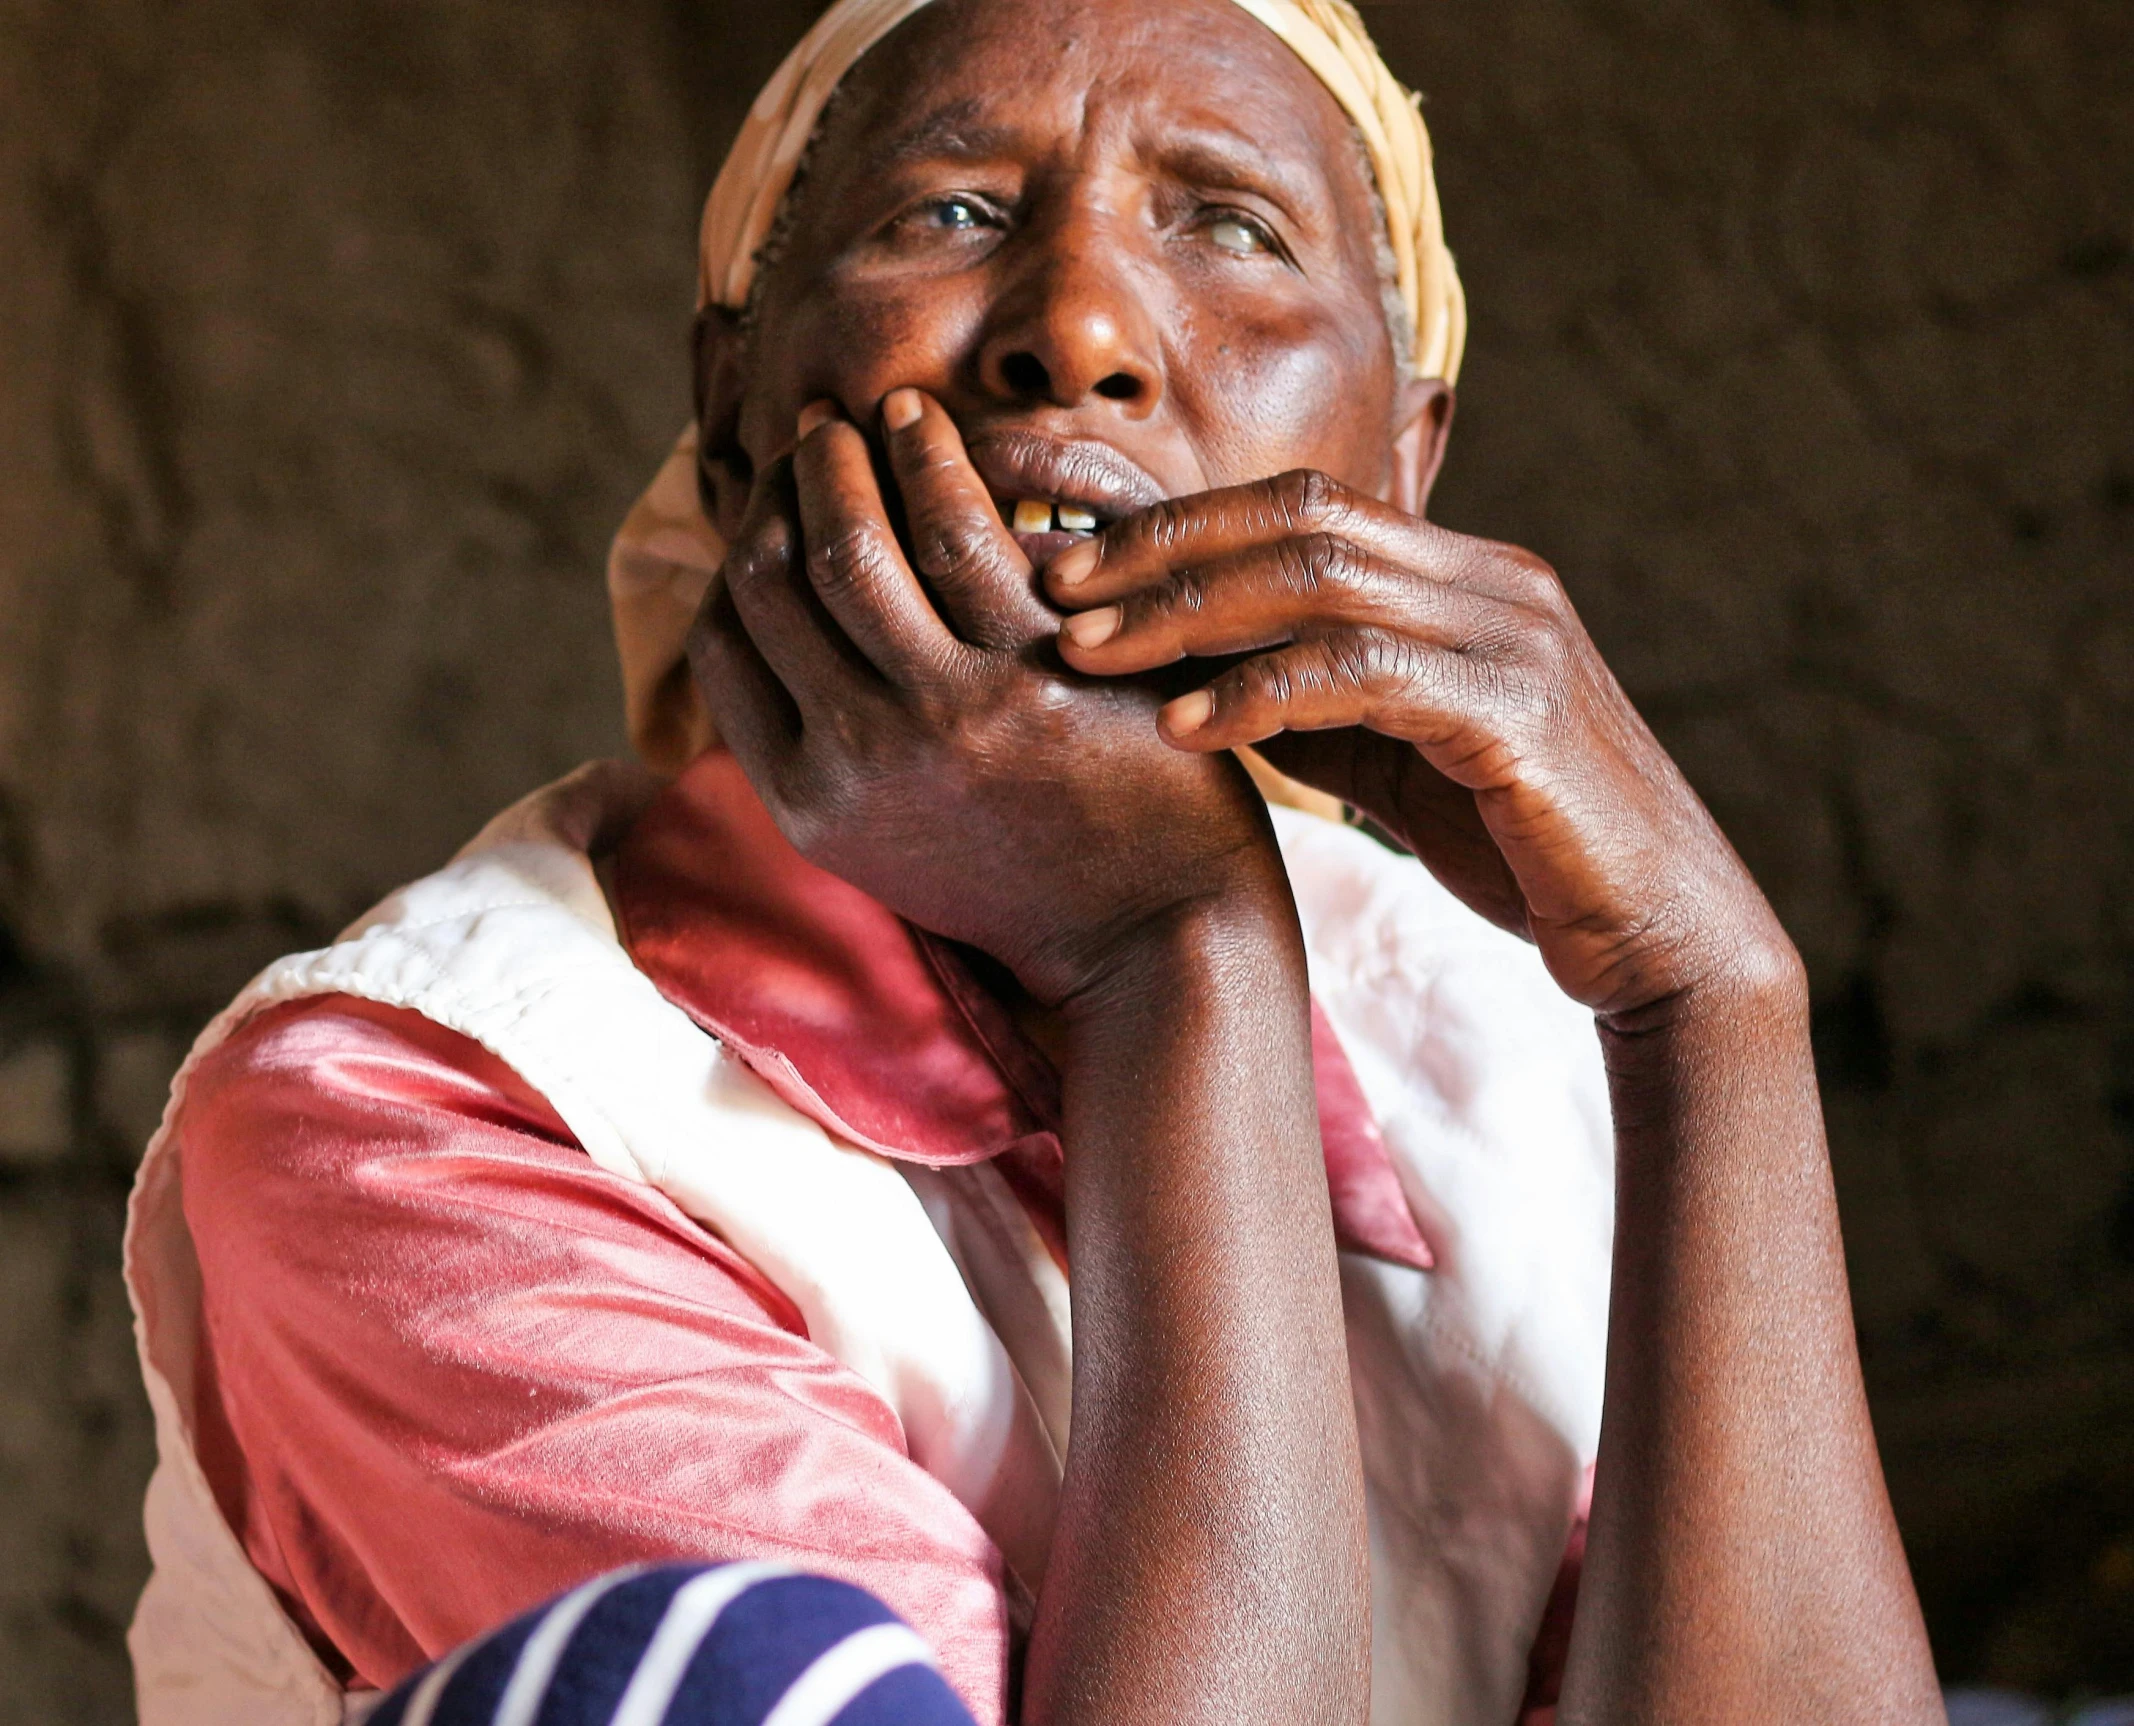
(1265,595)
(957,537)
(753,712)
(853,561)
(1436,819)
(789,626)
(1388,683)
(1181,532)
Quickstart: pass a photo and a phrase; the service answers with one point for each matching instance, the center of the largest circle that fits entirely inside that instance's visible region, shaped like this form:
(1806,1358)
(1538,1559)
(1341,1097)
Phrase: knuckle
(1300,565)
(1367,659)
(843,560)
(1180,595)
(950,547)
(1322,565)
(1528,689)
(800,815)
(1304,499)
(1530,579)
(1167,525)
(754,561)
(846,733)
(935,464)
(1548,651)
(1540,663)
(1040,715)
(1274,681)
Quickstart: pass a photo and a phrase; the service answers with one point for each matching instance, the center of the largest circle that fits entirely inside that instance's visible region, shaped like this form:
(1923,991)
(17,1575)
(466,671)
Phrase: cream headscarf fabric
(667,551)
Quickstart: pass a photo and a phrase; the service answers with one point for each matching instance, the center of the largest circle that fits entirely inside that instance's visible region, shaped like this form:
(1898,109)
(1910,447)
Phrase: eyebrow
(1221,158)
(1205,155)
(949,133)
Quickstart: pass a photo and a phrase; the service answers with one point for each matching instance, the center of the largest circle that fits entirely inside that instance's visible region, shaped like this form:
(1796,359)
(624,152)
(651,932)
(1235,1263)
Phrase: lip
(1080,471)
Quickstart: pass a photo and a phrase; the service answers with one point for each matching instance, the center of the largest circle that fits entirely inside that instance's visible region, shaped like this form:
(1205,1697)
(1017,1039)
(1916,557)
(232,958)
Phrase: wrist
(1199,953)
(1200,1015)
(1712,949)
(1750,1003)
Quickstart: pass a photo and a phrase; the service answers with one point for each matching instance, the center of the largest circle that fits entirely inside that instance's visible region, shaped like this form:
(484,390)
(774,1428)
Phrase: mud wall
(335,337)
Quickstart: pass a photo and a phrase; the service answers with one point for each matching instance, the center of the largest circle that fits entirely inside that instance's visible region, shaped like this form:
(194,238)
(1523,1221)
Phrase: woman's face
(1129,247)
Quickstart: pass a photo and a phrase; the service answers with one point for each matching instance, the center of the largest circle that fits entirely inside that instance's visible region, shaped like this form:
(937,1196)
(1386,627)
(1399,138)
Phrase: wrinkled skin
(1444,685)
(1120,252)
(1077,298)
(881,724)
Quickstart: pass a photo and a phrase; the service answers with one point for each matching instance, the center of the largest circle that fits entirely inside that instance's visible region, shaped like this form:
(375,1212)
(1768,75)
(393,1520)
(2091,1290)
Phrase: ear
(1422,420)
(720,375)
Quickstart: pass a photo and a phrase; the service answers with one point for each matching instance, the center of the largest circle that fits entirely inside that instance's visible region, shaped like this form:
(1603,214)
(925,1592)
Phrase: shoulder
(284,1092)
(317,1122)
(332,1141)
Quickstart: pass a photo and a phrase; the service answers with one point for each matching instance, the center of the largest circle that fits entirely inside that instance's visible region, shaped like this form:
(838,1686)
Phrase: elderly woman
(697,1171)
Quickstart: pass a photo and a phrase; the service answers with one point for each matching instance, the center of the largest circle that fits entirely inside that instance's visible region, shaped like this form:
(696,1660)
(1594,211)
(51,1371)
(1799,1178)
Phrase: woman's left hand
(1445,686)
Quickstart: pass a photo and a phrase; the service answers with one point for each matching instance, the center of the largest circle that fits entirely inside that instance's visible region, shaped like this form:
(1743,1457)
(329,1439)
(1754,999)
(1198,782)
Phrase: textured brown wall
(1805,348)
(335,335)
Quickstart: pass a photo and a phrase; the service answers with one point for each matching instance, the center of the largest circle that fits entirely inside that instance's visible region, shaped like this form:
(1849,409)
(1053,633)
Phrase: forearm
(1209,1563)
(1743,1563)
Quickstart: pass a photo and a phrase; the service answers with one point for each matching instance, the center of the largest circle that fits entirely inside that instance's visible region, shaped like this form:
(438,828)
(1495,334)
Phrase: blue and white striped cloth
(689,1645)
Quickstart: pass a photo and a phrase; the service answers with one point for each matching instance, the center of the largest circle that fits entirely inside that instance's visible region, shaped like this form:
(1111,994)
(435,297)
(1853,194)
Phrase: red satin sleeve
(453,1368)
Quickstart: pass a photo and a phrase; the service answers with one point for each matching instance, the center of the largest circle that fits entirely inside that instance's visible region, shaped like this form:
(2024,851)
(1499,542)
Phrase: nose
(1073,325)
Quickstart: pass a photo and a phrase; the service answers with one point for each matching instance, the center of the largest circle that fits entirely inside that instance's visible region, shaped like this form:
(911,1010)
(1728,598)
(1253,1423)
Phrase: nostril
(1025,374)
(1119,387)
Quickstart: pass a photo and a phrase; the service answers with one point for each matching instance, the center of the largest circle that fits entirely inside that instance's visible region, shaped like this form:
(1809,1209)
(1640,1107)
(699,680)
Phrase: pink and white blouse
(450,1356)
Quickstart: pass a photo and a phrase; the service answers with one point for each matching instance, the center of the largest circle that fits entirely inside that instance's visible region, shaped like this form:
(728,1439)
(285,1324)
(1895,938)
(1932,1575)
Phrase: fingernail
(900,408)
(1073,566)
(1094,628)
(1187,714)
(815,414)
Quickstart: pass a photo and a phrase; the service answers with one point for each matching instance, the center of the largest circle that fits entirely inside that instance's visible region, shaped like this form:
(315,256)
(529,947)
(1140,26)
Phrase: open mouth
(1045,527)
(1053,492)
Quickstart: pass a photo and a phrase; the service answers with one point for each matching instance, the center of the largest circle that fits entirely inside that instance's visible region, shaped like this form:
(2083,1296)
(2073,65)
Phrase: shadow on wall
(338,336)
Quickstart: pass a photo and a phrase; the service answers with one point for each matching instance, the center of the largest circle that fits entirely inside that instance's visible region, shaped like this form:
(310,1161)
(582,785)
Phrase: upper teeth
(1034,515)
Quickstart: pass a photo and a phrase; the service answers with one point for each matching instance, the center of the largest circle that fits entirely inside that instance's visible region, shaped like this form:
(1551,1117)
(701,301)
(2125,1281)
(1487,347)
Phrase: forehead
(960,74)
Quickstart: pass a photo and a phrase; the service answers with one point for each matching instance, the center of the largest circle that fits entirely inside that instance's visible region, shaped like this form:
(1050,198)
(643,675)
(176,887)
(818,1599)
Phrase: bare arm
(1743,1564)
(1209,1561)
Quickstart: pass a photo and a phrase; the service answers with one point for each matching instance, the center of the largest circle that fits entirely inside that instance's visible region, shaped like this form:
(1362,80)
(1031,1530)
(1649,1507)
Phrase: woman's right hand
(945,761)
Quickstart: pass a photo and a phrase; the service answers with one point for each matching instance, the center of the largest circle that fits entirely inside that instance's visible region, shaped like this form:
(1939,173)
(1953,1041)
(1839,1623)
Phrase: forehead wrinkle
(943,45)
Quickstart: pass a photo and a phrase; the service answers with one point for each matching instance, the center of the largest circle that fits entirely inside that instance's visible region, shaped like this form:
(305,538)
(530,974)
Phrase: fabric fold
(881,1033)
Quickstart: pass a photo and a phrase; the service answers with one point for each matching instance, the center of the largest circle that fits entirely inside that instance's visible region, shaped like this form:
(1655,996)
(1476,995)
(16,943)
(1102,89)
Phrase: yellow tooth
(1077,520)
(1032,516)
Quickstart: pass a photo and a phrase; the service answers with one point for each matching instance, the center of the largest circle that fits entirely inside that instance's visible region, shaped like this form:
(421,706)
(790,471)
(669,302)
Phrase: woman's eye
(952,217)
(958,214)
(1236,235)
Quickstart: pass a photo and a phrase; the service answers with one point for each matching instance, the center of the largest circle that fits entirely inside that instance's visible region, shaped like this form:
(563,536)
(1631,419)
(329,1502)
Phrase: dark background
(336,335)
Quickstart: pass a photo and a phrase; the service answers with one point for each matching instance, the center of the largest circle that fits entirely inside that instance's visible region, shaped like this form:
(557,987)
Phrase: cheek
(854,347)
(1267,396)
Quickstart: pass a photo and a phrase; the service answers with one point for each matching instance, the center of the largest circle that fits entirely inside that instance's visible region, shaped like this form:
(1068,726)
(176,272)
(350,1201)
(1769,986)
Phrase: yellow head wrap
(667,551)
